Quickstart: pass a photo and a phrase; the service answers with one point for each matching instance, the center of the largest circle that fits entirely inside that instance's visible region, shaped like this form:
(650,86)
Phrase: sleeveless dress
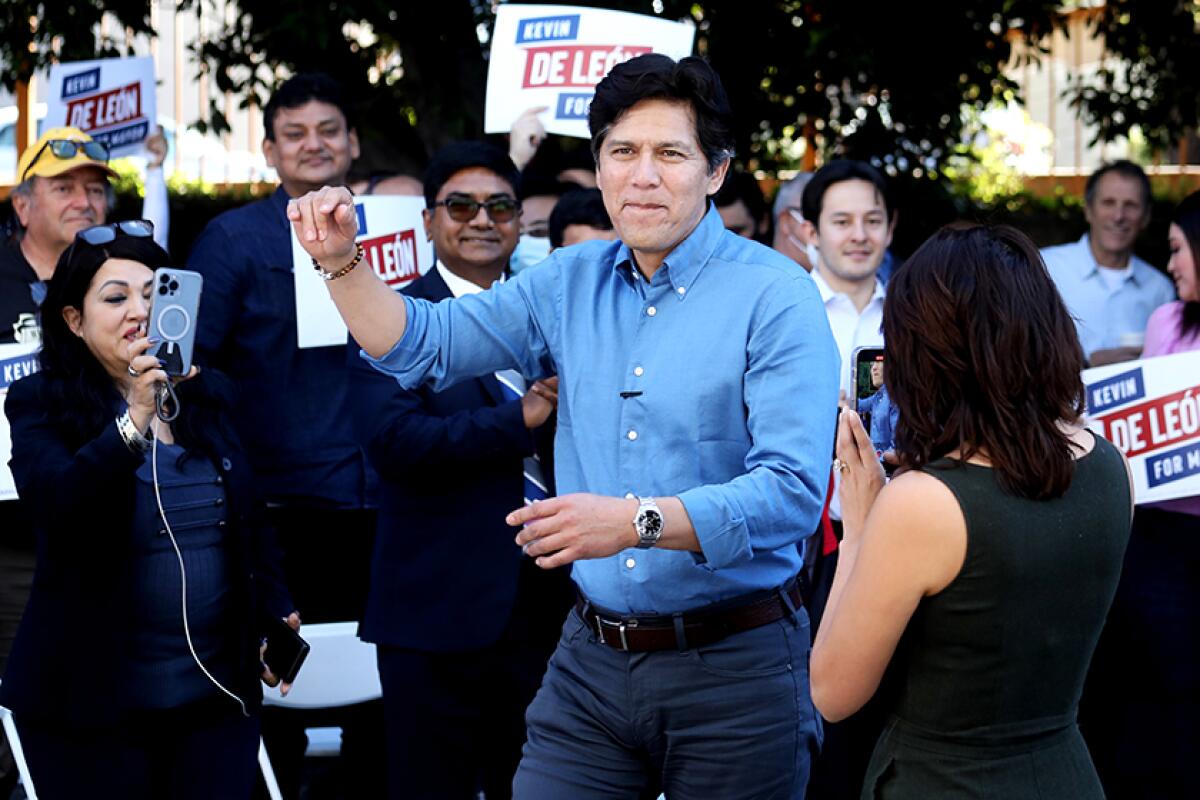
(985,684)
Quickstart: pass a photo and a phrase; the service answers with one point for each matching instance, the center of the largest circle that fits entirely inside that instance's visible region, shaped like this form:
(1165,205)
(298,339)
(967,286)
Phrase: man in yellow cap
(62,188)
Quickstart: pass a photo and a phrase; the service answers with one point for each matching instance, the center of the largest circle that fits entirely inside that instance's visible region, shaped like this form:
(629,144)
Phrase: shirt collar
(1091,267)
(459,286)
(683,264)
(827,293)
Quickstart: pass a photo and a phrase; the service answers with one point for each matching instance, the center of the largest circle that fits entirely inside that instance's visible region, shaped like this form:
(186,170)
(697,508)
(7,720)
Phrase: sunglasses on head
(103,234)
(68,148)
(464,209)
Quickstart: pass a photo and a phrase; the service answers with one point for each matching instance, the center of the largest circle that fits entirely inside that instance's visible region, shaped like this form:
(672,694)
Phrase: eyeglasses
(464,209)
(68,148)
(103,234)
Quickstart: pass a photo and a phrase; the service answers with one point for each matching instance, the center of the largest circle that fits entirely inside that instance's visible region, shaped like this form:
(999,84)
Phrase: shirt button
(630,496)
(630,563)
(682,290)
(631,435)
(651,311)
(639,371)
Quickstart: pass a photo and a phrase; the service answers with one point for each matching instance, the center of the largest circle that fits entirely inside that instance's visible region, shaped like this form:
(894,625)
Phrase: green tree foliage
(1152,78)
(872,78)
(37,34)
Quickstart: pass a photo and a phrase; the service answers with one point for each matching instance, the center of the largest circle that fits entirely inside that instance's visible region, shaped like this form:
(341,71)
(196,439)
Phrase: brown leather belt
(688,629)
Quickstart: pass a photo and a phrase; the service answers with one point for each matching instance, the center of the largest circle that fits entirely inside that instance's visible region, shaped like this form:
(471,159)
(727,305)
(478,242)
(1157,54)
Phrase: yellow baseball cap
(61,150)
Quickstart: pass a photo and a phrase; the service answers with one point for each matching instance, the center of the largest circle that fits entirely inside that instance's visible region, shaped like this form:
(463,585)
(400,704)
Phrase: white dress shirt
(851,328)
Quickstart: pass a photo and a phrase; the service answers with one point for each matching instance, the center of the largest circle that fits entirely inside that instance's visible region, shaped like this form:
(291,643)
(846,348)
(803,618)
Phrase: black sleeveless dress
(985,684)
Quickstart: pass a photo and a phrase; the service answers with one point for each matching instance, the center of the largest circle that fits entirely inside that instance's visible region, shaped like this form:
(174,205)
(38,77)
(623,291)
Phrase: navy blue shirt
(289,411)
(162,672)
(715,381)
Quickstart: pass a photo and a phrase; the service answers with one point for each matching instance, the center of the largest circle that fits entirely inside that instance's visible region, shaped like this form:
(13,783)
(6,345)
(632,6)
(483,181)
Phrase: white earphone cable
(182,571)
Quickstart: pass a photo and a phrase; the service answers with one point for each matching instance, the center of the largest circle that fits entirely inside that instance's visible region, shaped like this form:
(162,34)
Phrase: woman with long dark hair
(984,570)
(1143,694)
(120,686)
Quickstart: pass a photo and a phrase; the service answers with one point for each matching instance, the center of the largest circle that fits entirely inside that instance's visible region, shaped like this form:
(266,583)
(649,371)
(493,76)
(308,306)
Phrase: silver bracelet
(134,439)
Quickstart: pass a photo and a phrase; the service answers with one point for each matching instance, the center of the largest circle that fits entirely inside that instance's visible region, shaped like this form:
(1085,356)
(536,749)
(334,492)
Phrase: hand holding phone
(871,400)
(283,652)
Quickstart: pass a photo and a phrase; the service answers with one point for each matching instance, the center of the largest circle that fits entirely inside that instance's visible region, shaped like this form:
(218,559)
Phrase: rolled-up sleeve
(791,389)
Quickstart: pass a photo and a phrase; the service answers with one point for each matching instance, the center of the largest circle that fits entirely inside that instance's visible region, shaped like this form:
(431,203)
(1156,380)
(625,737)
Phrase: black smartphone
(286,650)
(173,313)
(871,400)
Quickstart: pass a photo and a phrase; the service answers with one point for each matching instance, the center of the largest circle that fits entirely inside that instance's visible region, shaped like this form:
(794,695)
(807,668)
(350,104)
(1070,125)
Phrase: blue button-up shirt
(1103,315)
(715,381)
(290,414)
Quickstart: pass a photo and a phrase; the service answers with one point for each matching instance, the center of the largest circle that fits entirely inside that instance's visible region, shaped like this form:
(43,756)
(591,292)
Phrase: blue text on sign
(13,369)
(548,29)
(573,106)
(362,218)
(1174,465)
(81,83)
(1115,391)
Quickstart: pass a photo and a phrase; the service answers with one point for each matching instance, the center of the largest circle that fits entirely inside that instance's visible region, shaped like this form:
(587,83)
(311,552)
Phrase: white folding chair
(340,670)
(14,744)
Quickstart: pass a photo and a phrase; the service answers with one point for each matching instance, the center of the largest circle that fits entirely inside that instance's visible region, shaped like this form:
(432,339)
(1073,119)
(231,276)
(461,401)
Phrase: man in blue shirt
(697,395)
(1108,290)
(310,471)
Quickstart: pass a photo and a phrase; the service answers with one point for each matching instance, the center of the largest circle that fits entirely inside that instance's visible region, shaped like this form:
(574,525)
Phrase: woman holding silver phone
(135,670)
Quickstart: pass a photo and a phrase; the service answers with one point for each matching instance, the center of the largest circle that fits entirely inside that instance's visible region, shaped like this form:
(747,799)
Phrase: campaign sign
(16,361)
(394,245)
(111,100)
(1150,409)
(554,56)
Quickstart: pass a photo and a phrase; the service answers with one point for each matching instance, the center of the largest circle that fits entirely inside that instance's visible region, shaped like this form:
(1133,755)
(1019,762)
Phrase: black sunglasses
(103,234)
(464,209)
(67,148)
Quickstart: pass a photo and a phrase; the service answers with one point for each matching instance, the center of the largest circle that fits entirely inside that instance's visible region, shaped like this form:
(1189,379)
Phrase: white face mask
(813,253)
(530,250)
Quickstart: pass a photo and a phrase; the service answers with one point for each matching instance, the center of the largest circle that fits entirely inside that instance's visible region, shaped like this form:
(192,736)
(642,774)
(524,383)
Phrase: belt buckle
(620,625)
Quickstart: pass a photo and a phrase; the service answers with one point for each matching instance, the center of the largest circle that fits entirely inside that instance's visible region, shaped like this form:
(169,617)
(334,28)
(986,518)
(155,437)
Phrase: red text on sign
(1155,424)
(574,65)
(106,109)
(393,257)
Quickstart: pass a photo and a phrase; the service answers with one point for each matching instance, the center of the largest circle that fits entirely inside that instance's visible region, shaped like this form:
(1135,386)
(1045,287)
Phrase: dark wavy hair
(983,358)
(80,396)
(1187,217)
(655,76)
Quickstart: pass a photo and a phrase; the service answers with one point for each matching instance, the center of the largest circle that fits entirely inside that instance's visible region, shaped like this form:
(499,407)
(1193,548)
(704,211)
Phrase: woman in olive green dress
(979,578)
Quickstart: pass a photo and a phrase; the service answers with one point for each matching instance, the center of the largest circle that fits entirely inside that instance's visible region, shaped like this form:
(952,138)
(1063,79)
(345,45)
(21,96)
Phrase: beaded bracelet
(134,439)
(333,276)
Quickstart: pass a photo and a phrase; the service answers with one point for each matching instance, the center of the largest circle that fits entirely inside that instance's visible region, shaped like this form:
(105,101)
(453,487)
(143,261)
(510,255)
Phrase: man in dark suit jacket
(464,622)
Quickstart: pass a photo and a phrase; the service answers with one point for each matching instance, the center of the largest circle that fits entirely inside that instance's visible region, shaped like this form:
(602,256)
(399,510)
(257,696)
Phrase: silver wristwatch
(648,522)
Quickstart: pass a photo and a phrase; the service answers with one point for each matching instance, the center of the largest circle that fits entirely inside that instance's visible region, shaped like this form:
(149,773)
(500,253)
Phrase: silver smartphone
(174,310)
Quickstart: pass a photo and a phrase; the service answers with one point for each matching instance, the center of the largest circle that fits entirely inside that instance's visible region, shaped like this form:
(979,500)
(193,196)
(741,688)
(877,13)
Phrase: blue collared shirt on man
(1103,315)
(715,381)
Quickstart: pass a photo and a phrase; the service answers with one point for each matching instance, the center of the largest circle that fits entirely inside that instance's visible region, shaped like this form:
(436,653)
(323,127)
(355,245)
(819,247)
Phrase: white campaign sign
(1150,409)
(554,56)
(394,245)
(16,361)
(111,100)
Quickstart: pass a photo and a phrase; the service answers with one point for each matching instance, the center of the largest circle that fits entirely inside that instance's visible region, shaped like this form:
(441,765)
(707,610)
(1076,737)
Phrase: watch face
(651,523)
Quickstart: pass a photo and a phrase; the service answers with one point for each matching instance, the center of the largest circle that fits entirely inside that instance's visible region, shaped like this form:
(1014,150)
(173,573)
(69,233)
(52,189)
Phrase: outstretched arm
(325,223)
